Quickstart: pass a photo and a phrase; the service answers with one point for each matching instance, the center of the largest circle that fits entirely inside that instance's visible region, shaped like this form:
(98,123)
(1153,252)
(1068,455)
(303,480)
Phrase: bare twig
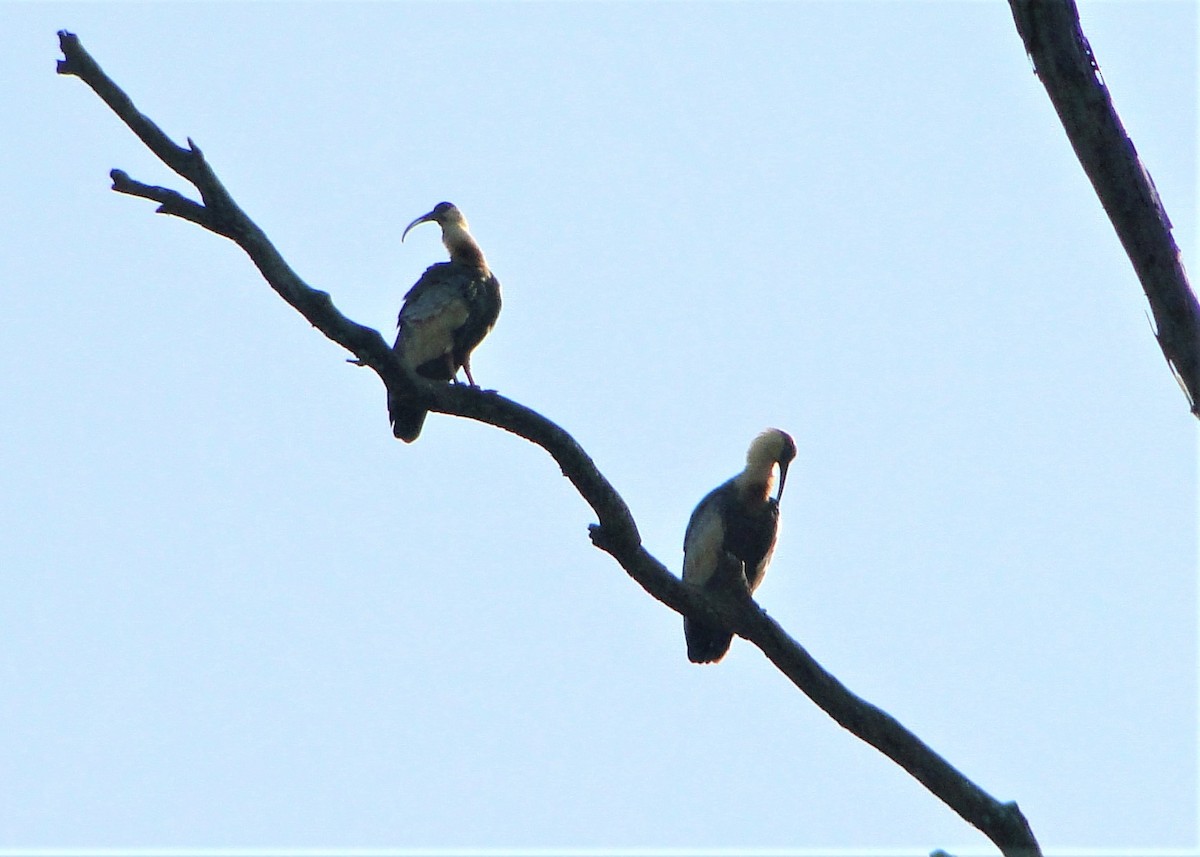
(616,533)
(172,202)
(1064,62)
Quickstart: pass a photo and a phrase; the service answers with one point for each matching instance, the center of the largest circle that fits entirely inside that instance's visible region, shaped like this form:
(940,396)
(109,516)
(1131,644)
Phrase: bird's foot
(471,385)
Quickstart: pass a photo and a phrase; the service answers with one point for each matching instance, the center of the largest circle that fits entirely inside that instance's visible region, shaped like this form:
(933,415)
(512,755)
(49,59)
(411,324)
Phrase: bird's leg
(742,587)
(467,369)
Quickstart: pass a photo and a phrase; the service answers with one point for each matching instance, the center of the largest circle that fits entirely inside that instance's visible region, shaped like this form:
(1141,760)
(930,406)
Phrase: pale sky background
(235,613)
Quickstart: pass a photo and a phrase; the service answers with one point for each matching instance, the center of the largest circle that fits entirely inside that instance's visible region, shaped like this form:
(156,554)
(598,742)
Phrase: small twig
(171,202)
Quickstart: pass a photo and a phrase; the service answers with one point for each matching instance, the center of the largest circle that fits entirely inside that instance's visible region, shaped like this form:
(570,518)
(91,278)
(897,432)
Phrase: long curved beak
(783,469)
(424,218)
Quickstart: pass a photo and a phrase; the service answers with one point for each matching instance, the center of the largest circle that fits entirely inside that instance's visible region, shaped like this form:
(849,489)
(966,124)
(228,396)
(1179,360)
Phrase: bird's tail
(706,644)
(407,418)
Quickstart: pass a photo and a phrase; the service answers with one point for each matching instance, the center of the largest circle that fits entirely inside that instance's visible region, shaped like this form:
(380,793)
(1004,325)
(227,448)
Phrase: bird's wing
(483,296)
(704,541)
(439,288)
(433,310)
(768,530)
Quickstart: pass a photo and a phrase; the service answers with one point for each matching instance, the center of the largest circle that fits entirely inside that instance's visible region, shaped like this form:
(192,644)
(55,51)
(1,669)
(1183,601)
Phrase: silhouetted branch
(616,533)
(172,202)
(1063,60)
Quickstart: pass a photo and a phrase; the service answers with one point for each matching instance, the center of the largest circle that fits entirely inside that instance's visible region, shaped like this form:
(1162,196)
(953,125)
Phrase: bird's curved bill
(783,469)
(424,218)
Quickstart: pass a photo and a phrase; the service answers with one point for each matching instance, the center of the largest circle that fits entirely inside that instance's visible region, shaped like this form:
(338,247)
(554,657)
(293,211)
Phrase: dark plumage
(731,536)
(445,315)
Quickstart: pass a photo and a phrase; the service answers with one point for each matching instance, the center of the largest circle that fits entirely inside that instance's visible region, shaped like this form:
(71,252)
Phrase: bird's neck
(755,486)
(462,247)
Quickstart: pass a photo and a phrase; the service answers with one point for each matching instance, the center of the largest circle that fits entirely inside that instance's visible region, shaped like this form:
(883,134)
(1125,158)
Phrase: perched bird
(445,315)
(731,536)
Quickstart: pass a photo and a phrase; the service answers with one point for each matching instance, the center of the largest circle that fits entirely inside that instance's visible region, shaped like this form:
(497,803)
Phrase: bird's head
(772,447)
(445,214)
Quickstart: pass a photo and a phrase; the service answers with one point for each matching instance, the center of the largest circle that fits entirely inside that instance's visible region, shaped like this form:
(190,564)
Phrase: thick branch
(616,532)
(1003,823)
(1064,61)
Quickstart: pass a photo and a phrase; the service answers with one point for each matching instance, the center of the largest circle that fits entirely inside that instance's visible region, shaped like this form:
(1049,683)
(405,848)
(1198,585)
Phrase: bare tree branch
(1063,60)
(616,533)
(173,202)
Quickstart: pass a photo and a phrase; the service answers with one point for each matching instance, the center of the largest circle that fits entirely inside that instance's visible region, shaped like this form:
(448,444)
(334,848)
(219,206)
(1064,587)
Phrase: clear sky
(234,612)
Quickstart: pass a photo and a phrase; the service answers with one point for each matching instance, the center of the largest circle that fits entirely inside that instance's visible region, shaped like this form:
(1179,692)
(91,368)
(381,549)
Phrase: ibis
(731,536)
(445,315)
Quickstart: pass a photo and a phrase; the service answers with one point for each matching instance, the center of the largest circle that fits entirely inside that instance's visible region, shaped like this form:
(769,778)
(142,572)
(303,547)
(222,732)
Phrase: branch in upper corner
(616,533)
(1068,69)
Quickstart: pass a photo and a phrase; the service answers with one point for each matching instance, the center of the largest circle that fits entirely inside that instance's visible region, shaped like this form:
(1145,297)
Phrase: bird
(448,312)
(731,536)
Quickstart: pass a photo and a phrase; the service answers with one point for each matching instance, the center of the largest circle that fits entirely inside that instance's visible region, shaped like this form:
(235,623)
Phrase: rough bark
(1064,62)
(616,533)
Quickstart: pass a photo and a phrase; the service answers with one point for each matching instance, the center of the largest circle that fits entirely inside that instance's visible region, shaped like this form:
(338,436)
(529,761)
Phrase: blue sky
(236,613)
